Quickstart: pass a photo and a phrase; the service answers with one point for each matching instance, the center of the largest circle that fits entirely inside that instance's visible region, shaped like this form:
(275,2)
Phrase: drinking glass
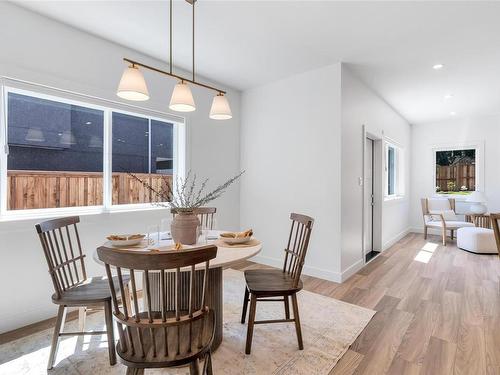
(165,229)
(153,235)
(202,234)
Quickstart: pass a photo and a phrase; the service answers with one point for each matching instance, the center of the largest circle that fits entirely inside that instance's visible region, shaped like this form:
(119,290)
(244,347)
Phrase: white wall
(481,129)
(361,106)
(290,149)
(43,51)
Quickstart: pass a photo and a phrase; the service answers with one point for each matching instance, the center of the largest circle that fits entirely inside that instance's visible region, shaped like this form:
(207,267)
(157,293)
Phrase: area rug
(329,326)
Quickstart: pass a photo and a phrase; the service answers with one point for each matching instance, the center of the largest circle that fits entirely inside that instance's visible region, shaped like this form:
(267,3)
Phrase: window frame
(399,171)
(107,107)
(478,147)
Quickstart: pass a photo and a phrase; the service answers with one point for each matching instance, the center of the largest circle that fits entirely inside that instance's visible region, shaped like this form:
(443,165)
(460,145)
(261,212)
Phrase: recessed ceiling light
(453,113)
(437,66)
(448,96)
(88,123)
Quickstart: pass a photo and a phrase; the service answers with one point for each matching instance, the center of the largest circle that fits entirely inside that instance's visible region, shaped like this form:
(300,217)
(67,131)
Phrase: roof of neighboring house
(463,160)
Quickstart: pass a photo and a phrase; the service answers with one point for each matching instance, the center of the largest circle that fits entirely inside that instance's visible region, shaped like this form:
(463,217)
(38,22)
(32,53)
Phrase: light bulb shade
(220,108)
(477,197)
(132,85)
(67,138)
(182,98)
(35,135)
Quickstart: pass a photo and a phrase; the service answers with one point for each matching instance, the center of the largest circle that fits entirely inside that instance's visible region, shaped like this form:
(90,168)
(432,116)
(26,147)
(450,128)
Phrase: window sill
(28,215)
(394,198)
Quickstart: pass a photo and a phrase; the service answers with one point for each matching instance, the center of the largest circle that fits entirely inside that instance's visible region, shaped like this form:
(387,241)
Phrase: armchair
(439,213)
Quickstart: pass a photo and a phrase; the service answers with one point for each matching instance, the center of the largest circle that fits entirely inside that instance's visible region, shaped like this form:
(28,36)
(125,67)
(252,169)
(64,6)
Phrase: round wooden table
(226,257)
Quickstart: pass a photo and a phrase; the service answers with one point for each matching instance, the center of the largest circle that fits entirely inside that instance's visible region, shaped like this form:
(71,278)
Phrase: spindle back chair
(182,331)
(63,252)
(206,216)
(262,285)
(296,248)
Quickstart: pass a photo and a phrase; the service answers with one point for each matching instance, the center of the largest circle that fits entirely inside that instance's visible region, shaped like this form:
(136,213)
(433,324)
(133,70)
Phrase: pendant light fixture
(220,108)
(182,99)
(34,135)
(133,86)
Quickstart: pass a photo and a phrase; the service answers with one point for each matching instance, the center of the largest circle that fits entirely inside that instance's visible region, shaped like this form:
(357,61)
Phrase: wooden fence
(44,189)
(460,175)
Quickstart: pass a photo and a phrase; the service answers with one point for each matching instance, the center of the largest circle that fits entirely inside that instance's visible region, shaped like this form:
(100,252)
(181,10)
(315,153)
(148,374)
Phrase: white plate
(119,243)
(234,241)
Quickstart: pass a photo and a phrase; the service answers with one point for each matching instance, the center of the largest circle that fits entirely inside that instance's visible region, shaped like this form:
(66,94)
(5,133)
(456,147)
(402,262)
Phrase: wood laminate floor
(438,310)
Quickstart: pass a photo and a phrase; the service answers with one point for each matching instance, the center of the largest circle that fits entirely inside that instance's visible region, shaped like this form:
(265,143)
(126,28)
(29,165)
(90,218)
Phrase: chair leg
(251,320)
(209,367)
(82,316)
(134,371)
(245,306)
(452,234)
(61,317)
(444,237)
(297,320)
(109,329)
(207,364)
(194,368)
(425,232)
(287,307)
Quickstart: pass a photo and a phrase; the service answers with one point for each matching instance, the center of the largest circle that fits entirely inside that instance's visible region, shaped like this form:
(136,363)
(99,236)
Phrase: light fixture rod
(173,75)
(171,17)
(194,2)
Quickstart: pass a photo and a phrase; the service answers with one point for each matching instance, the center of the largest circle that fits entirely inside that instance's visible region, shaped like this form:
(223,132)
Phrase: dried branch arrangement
(185,196)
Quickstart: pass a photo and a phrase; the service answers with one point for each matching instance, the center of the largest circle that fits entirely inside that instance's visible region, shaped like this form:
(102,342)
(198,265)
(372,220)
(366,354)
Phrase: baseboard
(307,270)
(351,270)
(34,328)
(437,232)
(396,238)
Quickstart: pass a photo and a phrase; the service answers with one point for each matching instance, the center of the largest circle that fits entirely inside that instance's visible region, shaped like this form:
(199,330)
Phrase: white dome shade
(67,138)
(220,108)
(132,85)
(182,98)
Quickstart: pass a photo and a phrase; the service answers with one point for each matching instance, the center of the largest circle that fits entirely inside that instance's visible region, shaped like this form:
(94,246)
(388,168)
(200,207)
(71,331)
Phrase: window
(63,154)
(394,173)
(144,147)
(455,171)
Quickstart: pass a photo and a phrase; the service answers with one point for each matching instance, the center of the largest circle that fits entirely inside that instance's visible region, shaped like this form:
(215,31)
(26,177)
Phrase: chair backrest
(298,242)
(436,204)
(496,229)
(63,251)
(184,287)
(206,216)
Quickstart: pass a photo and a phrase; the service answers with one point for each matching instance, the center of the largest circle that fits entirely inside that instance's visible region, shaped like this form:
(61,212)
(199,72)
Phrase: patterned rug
(329,326)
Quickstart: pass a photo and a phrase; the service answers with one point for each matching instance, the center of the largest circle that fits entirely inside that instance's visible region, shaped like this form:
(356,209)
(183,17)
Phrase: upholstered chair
(439,213)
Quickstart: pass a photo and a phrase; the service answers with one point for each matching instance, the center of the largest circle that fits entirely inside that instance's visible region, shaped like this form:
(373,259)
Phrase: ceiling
(391,46)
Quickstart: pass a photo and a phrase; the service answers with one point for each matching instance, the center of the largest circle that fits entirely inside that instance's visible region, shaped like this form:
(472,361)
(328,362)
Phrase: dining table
(227,256)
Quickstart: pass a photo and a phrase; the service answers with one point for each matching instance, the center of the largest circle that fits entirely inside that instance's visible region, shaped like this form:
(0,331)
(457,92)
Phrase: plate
(234,241)
(132,242)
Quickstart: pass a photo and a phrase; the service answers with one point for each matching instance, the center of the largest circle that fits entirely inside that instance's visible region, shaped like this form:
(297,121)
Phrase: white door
(369,196)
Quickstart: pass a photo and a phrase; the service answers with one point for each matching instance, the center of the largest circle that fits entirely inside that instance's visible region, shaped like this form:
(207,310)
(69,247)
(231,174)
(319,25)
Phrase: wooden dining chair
(496,229)
(66,261)
(206,215)
(279,285)
(182,331)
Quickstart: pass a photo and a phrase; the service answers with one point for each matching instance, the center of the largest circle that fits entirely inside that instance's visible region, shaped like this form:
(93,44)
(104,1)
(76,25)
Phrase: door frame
(378,193)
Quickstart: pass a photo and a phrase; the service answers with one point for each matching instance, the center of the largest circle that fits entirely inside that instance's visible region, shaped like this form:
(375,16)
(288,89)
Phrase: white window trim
(470,145)
(400,171)
(108,107)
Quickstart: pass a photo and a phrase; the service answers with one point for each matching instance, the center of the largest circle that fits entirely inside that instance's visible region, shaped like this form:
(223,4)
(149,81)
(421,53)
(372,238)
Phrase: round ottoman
(477,240)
